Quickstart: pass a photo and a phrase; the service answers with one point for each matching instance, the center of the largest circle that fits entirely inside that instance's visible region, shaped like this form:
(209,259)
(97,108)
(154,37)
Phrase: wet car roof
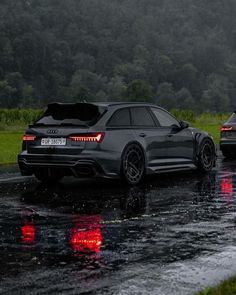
(107,104)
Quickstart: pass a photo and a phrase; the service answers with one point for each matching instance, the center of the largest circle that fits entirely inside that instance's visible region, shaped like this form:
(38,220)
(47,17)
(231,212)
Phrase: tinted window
(232,118)
(141,117)
(164,118)
(78,114)
(120,118)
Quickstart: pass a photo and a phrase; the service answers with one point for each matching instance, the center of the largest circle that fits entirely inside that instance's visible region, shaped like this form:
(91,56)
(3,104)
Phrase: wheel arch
(127,145)
(200,141)
(199,138)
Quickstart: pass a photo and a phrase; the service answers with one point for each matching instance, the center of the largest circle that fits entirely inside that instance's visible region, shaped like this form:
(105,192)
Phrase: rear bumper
(227,143)
(69,164)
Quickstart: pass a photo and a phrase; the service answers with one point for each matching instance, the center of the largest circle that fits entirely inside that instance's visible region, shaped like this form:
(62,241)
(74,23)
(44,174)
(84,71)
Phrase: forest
(175,53)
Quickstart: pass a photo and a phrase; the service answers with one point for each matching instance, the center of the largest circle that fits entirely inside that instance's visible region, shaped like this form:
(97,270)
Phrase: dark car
(112,140)
(228,137)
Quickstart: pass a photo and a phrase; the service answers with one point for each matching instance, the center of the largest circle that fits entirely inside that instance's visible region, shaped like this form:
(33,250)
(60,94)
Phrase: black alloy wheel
(207,156)
(133,164)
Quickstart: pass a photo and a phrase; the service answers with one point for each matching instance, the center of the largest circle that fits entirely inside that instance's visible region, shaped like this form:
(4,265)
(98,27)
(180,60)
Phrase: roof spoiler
(91,105)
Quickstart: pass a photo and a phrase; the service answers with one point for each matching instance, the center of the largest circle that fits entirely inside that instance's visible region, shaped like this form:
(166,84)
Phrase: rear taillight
(226,128)
(29,137)
(88,137)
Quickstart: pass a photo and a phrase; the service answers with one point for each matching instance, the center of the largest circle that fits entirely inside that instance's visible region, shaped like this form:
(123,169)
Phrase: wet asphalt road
(174,234)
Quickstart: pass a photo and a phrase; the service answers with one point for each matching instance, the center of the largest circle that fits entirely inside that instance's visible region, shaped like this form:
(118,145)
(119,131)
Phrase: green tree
(115,88)
(28,96)
(216,98)
(184,99)
(92,82)
(81,94)
(138,90)
(7,95)
(130,71)
(166,96)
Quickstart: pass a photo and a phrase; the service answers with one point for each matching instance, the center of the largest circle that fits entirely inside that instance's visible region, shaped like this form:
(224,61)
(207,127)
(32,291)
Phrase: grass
(10,145)
(228,287)
(211,123)
(213,130)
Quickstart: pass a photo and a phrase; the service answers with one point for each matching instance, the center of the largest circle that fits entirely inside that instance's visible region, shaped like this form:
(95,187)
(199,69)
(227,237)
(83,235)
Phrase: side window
(120,118)
(142,117)
(164,118)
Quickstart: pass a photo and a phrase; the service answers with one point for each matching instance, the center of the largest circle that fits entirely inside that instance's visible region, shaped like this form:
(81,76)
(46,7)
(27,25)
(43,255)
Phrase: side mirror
(183,124)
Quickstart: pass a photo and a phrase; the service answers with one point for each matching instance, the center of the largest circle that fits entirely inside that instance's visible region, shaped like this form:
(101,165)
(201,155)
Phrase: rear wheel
(133,164)
(207,156)
(48,175)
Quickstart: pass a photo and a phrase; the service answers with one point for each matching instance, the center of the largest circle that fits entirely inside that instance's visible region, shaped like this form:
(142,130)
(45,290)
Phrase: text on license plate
(53,141)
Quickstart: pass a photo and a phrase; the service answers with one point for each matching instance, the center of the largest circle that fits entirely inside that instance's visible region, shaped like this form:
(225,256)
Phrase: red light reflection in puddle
(227,186)
(86,236)
(28,233)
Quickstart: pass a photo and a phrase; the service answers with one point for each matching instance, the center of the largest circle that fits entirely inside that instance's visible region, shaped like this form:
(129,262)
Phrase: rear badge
(52,131)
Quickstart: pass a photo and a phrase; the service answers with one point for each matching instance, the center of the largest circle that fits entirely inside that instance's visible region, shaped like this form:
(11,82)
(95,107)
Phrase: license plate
(53,141)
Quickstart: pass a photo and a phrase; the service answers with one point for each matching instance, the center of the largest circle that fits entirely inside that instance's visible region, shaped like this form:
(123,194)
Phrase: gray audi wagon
(228,137)
(112,140)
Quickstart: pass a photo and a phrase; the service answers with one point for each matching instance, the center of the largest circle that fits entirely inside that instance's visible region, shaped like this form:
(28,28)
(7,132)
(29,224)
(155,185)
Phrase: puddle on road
(93,235)
(9,171)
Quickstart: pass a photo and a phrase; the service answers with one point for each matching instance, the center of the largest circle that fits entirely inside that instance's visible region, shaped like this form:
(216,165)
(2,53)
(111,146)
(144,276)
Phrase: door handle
(142,135)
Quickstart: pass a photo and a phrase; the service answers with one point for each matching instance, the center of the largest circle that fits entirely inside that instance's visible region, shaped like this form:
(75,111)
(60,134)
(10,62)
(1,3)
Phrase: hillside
(177,53)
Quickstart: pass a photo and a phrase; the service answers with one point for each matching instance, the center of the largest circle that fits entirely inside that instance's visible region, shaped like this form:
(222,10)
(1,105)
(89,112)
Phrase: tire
(133,164)
(48,175)
(207,156)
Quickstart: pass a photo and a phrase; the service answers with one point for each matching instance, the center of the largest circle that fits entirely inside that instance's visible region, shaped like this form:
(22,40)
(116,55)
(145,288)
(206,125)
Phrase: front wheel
(207,156)
(133,164)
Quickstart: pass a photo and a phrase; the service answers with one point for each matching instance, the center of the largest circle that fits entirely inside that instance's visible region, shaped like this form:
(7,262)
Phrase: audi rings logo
(52,131)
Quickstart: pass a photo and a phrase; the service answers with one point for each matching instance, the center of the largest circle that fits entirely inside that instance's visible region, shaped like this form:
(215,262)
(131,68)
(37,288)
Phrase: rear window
(76,114)
(120,118)
(232,118)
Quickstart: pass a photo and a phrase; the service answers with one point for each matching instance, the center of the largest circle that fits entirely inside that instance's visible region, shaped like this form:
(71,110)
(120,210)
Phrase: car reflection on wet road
(107,238)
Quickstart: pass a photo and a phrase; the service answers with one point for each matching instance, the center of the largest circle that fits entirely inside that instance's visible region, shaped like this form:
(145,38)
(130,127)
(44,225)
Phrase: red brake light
(88,137)
(28,137)
(226,128)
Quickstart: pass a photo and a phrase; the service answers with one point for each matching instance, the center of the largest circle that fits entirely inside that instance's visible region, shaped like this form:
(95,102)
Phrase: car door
(179,141)
(149,134)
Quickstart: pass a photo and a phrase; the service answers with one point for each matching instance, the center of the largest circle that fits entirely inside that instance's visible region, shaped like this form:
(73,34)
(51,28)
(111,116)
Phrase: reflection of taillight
(227,186)
(28,233)
(86,236)
(226,128)
(88,137)
(29,137)
(86,241)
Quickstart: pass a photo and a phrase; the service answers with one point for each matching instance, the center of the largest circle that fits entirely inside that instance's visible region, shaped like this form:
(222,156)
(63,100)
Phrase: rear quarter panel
(108,153)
